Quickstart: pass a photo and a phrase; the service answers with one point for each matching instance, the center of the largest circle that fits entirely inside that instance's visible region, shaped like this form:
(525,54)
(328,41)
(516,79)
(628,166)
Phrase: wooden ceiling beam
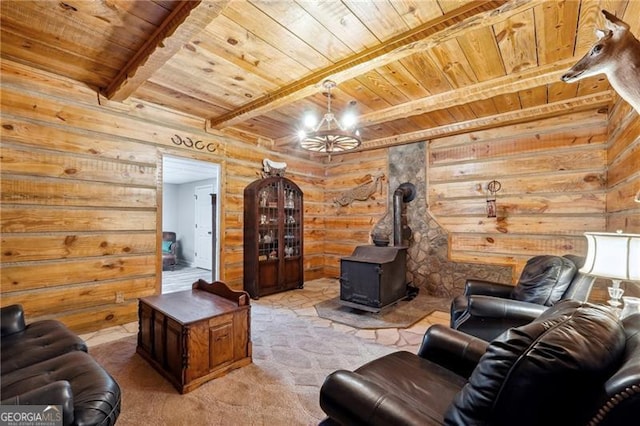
(188,18)
(453,24)
(583,103)
(512,83)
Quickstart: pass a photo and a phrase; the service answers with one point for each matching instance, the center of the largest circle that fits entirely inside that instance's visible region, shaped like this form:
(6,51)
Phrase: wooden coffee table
(196,335)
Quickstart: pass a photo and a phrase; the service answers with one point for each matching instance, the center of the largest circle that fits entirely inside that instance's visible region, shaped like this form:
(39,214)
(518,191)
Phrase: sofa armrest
(487,317)
(349,398)
(452,349)
(11,320)
(495,307)
(487,288)
(55,393)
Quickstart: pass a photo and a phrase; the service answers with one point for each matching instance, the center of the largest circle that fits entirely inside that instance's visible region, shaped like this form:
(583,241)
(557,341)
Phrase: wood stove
(373,277)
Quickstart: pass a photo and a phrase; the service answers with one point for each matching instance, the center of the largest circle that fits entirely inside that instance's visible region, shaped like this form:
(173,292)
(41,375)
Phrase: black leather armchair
(486,309)
(576,364)
(45,363)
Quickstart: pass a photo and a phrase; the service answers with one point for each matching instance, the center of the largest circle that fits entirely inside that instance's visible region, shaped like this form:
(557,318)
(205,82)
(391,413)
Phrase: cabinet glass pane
(292,221)
(268,223)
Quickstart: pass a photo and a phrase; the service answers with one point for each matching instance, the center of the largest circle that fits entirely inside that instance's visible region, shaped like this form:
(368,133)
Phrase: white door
(203,227)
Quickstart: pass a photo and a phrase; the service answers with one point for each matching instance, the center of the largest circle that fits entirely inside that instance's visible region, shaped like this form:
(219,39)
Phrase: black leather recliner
(486,309)
(577,364)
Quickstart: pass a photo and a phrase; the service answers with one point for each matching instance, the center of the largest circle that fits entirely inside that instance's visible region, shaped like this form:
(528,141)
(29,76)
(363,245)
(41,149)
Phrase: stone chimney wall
(428,266)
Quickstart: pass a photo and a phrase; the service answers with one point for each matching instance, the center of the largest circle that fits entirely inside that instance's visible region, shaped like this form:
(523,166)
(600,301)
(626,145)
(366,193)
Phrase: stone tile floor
(301,302)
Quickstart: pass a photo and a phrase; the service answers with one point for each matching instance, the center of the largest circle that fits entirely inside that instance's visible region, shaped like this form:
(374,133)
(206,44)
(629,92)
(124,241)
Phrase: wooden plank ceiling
(411,69)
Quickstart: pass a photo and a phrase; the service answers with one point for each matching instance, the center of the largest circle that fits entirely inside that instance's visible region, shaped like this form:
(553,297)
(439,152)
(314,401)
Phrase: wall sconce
(492,188)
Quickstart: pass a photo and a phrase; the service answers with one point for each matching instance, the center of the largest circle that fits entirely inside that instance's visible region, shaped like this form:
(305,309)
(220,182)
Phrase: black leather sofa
(44,363)
(486,309)
(577,364)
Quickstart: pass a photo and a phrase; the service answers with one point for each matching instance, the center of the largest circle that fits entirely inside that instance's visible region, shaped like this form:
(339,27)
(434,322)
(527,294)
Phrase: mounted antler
(616,54)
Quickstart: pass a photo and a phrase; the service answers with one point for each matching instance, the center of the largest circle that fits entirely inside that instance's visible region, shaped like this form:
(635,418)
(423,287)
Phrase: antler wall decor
(189,143)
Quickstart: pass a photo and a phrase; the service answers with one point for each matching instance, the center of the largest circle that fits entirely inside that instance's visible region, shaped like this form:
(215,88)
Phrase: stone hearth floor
(302,302)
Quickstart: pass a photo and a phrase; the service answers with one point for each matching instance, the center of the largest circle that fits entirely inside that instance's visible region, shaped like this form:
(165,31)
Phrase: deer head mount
(617,55)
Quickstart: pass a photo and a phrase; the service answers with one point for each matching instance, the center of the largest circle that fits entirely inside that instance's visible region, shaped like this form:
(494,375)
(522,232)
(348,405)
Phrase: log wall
(351,225)
(82,186)
(554,187)
(81,198)
(623,183)
(623,163)
(553,176)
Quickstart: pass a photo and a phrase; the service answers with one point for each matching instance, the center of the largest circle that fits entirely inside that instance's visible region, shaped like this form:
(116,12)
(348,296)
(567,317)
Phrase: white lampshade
(613,255)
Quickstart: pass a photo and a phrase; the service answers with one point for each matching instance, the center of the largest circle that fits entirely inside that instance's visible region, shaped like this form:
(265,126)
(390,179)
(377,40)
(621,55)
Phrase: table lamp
(613,255)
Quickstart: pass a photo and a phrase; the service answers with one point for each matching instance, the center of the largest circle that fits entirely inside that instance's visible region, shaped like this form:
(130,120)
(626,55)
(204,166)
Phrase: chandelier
(330,135)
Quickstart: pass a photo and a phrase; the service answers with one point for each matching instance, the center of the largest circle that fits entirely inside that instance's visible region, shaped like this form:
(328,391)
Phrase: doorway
(190,207)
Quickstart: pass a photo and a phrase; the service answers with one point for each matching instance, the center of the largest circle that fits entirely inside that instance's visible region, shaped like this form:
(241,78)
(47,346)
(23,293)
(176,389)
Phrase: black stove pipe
(401,231)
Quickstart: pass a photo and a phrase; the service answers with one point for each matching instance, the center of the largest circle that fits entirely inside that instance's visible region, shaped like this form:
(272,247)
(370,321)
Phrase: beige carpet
(402,314)
(291,358)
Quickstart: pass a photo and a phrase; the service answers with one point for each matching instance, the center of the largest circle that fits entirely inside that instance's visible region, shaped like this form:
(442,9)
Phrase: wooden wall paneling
(29,134)
(80,197)
(316,267)
(519,145)
(94,318)
(25,190)
(233,256)
(20,247)
(54,300)
(625,166)
(539,164)
(620,199)
(577,120)
(39,163)
(346,227)
(528,204)
(623,156)
(59,138)
(524,224)
(628,222)
(53,219)
(32,275)
(586,183)
(315,209)
(624,128)
(553,178)
(91,118)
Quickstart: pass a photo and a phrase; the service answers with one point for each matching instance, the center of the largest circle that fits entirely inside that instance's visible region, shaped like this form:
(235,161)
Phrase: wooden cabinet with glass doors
(272,236)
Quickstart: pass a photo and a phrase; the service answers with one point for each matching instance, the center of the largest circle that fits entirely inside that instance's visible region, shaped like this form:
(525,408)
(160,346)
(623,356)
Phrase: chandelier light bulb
(310,120)
(349,120)
(302,134)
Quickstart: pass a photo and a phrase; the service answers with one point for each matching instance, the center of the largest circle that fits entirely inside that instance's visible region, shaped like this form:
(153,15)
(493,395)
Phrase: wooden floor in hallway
(183,277)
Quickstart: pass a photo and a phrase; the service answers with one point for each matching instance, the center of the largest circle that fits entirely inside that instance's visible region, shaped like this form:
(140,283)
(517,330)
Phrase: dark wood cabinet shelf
(273,236)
